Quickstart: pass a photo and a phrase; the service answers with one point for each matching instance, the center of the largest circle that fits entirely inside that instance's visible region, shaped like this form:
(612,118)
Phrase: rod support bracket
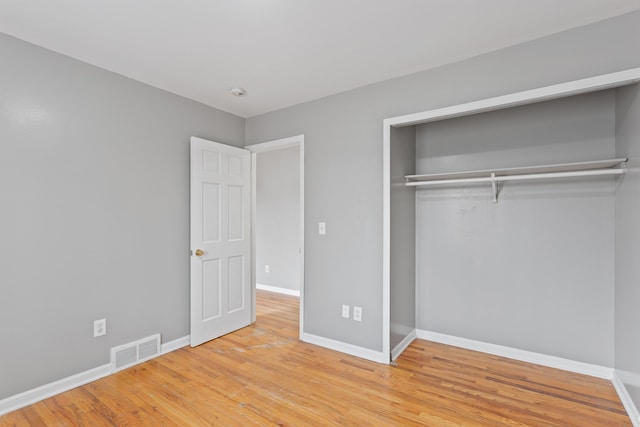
(494,187)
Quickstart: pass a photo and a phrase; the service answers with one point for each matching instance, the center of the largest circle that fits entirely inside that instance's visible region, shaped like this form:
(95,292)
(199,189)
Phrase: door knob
(199,252)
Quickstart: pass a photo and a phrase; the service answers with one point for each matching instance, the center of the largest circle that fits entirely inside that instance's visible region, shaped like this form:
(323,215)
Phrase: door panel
(236,283)
(211,212)
(220,240)
(236,213)
(211,289)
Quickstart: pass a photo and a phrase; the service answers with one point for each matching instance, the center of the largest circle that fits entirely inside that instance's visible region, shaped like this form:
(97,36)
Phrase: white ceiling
(284,52)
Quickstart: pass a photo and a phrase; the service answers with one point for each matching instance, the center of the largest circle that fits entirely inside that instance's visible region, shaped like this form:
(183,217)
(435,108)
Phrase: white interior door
(220,239)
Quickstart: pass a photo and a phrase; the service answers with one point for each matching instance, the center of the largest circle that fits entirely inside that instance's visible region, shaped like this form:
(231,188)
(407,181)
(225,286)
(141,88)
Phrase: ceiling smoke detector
(238,91)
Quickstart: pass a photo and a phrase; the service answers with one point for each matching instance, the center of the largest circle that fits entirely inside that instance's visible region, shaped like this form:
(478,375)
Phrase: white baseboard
(627,402)
(278,290)
(353,350)
(522,355)
(402,345)
(175,344)
(37,394)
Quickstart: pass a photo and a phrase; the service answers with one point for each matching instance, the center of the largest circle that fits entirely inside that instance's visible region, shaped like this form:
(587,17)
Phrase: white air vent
(136,352)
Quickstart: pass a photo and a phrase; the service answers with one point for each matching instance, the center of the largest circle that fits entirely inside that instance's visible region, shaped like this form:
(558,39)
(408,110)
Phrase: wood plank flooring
(262,375)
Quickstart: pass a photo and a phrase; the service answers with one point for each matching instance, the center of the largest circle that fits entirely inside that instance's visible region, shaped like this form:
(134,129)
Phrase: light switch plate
(322,228)
(345,311)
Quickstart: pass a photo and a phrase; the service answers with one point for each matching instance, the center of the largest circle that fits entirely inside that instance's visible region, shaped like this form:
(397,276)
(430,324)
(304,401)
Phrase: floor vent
(135,352)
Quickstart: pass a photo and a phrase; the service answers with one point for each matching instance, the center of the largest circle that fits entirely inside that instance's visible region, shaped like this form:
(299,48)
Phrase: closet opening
(500,223)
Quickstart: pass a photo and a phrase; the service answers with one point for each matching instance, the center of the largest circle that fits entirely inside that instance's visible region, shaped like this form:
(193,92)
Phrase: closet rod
(550,175)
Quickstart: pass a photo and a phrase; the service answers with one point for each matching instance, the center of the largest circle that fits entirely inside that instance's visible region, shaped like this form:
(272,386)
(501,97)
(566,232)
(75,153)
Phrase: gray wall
(627,295)
(94,189)
(403,235)
(343,147)
(536,270)
(278,218)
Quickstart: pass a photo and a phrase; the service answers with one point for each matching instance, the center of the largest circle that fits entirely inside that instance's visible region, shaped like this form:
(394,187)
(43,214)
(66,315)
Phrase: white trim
(301,329)
(277,144)
(353,350)
(517,354)
(278,290)
(175,344)
(292,141)
(562,90)
(402,345)
(386,242)
(254,185)
(627,402)
(37,394)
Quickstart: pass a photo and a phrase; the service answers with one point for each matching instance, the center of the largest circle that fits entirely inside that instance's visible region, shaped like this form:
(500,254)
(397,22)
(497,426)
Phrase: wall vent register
(135,352)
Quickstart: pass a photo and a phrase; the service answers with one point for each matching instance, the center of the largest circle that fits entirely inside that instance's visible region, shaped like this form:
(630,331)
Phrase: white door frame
(293,141)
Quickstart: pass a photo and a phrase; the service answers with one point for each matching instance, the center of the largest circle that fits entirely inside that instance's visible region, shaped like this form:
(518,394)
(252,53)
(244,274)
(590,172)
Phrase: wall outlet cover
(357,314)
(99,328)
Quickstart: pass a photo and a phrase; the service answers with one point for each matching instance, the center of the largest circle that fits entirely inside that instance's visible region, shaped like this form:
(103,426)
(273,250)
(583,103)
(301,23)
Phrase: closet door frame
(547,93)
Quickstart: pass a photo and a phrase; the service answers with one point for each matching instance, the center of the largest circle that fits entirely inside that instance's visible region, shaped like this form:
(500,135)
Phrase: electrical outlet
(99,328)
(357,314)
(266,269)
(345,311)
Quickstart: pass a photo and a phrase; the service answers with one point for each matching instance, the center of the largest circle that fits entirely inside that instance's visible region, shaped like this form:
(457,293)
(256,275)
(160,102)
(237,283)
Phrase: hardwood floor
(262,375)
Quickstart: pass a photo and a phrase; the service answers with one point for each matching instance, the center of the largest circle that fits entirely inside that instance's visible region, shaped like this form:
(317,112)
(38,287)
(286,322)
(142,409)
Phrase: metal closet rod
(592,172)
(571,170)
(590,168)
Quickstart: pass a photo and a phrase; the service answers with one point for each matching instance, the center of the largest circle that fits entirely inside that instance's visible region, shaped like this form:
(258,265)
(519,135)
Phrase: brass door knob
(199,252)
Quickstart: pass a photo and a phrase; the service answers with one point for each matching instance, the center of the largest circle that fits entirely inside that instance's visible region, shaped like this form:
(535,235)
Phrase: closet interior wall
(627,292)
(403,237)
(535,271)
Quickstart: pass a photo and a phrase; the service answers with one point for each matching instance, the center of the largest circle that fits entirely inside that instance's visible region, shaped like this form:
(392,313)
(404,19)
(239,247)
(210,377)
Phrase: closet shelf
(495,176)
